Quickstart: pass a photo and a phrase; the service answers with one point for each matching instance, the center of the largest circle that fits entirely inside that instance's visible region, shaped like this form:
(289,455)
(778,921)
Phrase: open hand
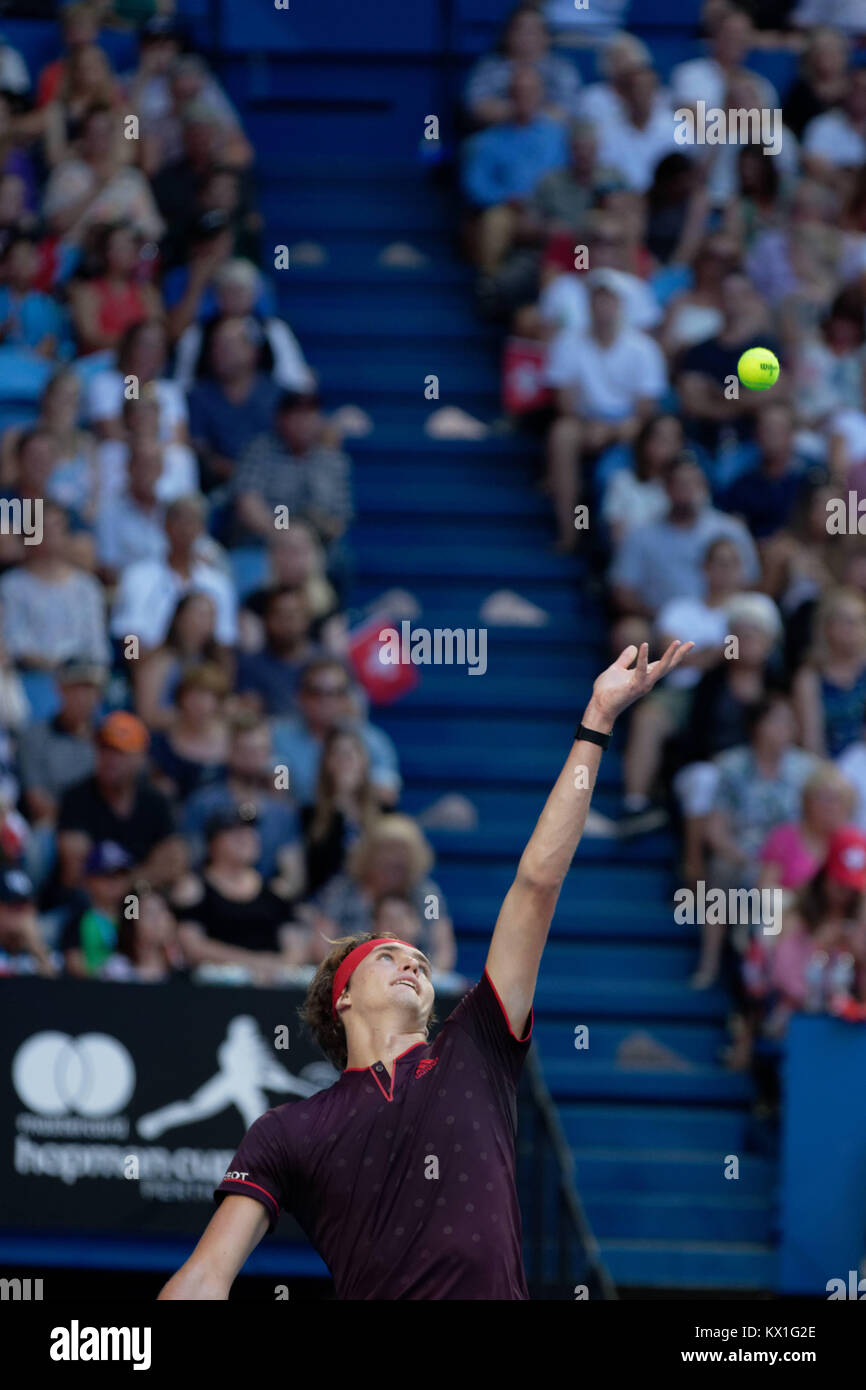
(621,684)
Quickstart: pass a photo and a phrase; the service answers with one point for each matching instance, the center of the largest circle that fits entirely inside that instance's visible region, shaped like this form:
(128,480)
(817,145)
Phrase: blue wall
(823,1196)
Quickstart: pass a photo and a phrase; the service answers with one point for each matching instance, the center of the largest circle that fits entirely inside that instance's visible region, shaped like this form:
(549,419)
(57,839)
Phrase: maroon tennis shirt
(405,1184)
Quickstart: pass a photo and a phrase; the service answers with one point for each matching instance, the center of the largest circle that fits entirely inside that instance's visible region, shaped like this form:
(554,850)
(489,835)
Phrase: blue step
(672,1173)
(624,1216)
(601,1081)
(673,1264)
(659,1126)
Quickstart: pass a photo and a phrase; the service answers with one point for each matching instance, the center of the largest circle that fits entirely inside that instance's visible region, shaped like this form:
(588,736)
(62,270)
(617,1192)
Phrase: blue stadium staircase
(452,522)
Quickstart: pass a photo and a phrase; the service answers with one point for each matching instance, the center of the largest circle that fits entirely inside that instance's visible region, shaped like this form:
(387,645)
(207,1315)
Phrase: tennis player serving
(402,1172)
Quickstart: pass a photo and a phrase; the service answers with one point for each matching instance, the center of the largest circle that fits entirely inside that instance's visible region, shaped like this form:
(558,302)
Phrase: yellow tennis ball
(758,368)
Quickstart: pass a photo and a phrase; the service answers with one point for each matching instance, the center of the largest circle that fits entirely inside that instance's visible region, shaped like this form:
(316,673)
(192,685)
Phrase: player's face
(397,979)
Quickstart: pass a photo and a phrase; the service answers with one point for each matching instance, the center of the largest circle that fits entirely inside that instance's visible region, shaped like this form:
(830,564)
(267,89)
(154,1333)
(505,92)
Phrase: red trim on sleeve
(244,1183)
(528,1034)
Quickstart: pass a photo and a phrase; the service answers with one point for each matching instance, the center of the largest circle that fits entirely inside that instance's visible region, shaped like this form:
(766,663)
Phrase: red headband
(353,960)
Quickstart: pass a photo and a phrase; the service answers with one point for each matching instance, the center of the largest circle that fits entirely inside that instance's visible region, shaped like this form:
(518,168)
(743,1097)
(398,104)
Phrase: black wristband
(591,736)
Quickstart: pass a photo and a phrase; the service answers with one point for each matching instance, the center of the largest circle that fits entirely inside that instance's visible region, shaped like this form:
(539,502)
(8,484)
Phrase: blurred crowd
(632,262)
(189,778)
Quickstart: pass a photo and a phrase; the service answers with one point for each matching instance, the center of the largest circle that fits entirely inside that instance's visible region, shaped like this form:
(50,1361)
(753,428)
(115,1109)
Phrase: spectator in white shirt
(140,419)
(607,383)
(141,360)
(635,495)
(834,145)
(132,527)
(634,139)
(662,561)
(149,589)
(621,56)
(708,79)
(237,287)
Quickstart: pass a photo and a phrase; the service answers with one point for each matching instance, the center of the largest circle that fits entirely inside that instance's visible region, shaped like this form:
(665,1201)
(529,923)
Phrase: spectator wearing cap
(22,949)
(292,467)
(89,935)
(191,752)
(237,290)
(117,802)
(54,754)
(229,915)
(236,399)
(249,782)
(565,302)
(525,44)
(827,923)
(108,296)
(149,590)
(503,164)
(607,383)
(271,675)
(143,354)
(325,702)
(52,610)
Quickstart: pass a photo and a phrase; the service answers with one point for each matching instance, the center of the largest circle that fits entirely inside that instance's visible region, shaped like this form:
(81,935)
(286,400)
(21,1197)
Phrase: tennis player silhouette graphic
(246,1071)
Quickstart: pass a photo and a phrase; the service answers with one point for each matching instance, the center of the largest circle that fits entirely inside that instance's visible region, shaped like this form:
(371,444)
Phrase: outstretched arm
(524,920)
(232,1233)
